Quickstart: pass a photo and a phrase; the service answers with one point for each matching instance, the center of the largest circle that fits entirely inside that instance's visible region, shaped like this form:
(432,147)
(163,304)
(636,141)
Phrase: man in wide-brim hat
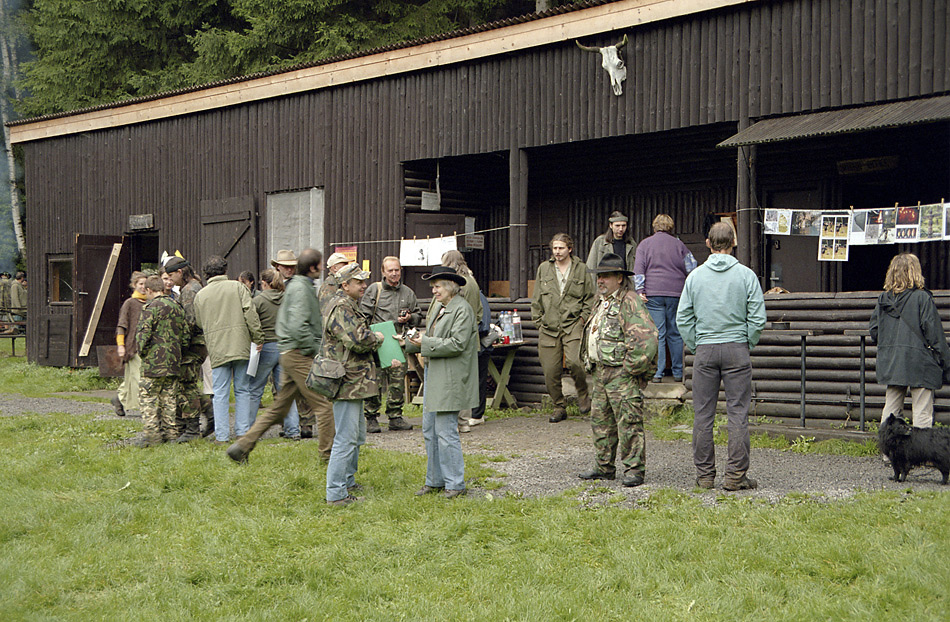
(619,348)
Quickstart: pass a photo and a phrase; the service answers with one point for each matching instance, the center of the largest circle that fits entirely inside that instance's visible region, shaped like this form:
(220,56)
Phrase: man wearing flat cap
(616,240)
(335,263)
(619,348)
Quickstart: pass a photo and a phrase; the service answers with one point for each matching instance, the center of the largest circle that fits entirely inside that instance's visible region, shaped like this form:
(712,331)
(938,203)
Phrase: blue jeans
(222,377)
(663,311)
(445,467)
(344,457)
(269,363)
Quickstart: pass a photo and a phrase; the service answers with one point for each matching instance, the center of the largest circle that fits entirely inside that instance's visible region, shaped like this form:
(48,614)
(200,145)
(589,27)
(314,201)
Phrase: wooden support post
(743,214)
(100,300)
(518,217)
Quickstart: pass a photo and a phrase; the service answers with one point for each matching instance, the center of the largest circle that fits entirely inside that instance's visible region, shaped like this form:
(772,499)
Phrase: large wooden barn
(729,107)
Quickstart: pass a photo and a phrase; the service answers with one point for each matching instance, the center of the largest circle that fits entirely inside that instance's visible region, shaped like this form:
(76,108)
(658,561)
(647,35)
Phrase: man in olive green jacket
(299,331)
(226,316)
(564,294)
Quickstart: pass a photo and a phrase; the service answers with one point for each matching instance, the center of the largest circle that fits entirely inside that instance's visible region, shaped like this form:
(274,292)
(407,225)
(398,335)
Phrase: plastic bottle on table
(516,335)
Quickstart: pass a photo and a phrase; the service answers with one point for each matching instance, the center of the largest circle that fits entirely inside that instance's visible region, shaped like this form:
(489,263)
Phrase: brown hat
(284,258)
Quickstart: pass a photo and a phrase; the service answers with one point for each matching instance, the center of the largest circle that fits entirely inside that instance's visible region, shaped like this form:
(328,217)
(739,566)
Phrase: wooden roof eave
(555,29)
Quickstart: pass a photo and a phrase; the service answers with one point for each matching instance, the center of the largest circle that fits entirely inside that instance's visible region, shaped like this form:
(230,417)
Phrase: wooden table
(501,378)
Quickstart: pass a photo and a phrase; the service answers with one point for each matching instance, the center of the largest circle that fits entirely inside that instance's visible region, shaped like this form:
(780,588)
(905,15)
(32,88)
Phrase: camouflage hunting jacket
(161,336)
(329,288)
(347,338)
(626,335)
(195,351)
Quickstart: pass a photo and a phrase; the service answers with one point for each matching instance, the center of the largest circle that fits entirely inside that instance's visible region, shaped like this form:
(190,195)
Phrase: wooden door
(229,229)
(90,265)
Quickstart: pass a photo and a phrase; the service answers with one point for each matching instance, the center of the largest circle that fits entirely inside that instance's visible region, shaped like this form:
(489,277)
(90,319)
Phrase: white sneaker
(464,427)
(475,422)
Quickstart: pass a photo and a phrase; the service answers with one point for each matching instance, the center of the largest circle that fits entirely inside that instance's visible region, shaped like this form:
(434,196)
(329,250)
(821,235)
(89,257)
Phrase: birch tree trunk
(8,59)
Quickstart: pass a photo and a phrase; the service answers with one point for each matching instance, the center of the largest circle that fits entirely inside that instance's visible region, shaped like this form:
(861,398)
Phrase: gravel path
(538,458)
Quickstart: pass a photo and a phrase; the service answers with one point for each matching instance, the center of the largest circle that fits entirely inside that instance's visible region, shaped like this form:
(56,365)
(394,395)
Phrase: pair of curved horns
(593,49)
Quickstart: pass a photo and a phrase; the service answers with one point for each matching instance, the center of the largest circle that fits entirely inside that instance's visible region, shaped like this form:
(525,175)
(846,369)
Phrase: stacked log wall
(833,359)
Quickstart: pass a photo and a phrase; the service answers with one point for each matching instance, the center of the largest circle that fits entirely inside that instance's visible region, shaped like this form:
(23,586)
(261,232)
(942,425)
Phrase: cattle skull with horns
(612,62)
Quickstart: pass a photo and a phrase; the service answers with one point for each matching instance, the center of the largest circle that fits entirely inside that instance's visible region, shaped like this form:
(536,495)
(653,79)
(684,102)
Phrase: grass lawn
(92,529)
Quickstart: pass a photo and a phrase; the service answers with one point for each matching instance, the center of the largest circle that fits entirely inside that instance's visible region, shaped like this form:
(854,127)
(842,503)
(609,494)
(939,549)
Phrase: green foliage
(89,53)
(92,530)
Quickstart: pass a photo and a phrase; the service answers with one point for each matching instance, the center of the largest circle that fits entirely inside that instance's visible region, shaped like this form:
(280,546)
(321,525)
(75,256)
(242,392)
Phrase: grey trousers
(728,363)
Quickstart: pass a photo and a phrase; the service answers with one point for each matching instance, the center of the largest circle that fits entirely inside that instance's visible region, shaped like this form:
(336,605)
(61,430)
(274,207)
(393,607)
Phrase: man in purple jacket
(660,271)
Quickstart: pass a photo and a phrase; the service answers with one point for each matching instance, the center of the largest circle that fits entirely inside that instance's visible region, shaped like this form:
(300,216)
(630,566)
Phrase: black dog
(908,447)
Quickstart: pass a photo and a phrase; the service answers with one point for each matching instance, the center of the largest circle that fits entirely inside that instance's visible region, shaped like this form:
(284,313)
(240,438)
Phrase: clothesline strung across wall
(428,251)
(838,230)
(464,233)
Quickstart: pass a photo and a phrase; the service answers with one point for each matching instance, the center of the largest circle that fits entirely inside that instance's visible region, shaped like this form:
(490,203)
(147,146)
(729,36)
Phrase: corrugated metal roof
(829,123)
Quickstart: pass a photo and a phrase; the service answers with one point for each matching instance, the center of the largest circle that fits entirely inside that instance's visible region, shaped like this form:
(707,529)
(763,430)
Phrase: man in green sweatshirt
(720,317)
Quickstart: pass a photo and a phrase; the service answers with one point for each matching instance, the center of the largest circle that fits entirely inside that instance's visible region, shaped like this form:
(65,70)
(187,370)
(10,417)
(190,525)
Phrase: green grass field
(92,529)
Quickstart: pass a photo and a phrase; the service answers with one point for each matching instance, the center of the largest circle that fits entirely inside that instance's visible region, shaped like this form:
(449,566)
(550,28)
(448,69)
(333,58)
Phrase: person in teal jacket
(720,316)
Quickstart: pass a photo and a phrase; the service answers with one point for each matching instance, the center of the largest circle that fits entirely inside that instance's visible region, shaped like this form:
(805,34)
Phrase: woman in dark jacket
(912,350)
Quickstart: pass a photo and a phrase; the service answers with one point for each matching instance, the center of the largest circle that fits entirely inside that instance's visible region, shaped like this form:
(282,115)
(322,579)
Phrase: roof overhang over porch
(847,121)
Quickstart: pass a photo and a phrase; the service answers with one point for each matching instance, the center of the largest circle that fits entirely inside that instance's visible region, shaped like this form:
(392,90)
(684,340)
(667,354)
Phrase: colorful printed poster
(881,226)
(946,221)
(906,234)
(834,234)
(778,221)
(931,222)
(908,215)
(806,223)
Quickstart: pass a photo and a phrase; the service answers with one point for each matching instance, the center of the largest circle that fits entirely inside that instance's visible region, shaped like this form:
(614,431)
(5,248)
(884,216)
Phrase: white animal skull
(612,62)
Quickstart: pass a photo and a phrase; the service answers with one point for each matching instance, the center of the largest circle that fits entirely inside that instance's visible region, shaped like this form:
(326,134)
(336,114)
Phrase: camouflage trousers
(392,382)
(190,393)
(617,420)
(158,398)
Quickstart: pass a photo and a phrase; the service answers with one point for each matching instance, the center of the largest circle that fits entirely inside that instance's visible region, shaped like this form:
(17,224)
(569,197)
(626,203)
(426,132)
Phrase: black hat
(175,263)
(444,272)
(611,262)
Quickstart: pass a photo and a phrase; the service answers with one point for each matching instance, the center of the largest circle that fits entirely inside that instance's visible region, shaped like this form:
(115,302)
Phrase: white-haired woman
(450,346)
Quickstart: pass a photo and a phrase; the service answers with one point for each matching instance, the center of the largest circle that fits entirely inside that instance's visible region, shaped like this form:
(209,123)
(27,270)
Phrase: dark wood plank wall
(764,58)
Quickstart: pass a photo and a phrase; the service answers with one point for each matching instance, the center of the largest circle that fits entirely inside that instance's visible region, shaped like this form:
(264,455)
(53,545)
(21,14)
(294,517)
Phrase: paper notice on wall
(931,222)
(440,246)
(414,252)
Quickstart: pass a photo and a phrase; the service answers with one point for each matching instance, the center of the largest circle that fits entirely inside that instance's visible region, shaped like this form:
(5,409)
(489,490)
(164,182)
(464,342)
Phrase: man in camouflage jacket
(620,348)
(192,401)
(161,336)
(347,338)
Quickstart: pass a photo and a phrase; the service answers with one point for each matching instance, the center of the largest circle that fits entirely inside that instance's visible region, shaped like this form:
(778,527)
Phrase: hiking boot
(426,490)
(191,432)
(117,406)
(372,425)
(395,423)
(630,481)
(596,474)
(706,482)
(306,431)
(583,405)
(348,499)
(451,494)
(238,454)
(146,441)
(744,483)
(560,414)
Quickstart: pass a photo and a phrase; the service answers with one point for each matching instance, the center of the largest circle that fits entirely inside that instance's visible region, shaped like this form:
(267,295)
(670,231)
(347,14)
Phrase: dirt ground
(536,458)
